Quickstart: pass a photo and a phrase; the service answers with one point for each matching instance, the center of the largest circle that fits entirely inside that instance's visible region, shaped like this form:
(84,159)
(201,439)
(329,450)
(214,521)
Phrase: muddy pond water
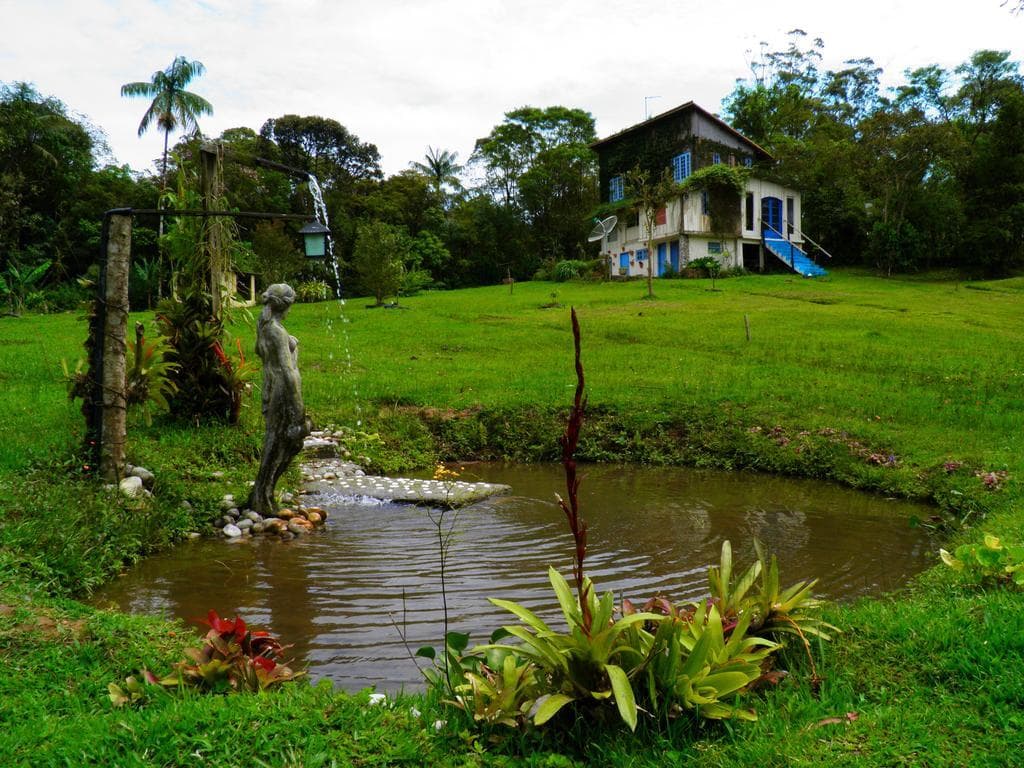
(338,594)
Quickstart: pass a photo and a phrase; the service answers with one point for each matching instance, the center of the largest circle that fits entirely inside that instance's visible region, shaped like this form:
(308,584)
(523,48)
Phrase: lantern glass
(314,236)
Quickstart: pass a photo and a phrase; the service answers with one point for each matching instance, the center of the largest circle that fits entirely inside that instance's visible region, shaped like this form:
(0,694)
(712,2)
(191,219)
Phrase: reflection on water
(339,593)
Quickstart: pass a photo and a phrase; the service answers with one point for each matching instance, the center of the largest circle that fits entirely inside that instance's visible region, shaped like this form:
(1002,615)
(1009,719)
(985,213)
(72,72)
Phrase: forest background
(927,175)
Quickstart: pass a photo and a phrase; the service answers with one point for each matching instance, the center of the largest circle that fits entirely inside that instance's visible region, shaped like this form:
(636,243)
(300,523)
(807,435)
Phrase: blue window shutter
(716,158)
(680,166)
(616,189)
(704,208)
(748,161)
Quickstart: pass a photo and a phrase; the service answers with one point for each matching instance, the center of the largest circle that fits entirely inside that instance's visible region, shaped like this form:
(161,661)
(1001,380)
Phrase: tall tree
(45,158)
(538,163)
(649,195)
(324,147)
(441,167)
(171,106)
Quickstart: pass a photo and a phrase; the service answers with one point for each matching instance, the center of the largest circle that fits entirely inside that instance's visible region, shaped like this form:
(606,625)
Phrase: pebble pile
(238,523)
(327,471)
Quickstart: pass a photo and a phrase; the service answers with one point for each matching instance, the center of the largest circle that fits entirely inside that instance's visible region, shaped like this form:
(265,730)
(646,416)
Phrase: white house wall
(706,129)
(762,189)
(686,224)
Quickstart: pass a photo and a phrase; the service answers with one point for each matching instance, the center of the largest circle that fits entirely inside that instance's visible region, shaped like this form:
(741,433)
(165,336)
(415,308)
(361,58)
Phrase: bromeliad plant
(231,658)
(664,660)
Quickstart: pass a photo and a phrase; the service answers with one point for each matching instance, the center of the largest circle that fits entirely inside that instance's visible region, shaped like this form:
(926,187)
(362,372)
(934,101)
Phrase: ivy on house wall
(725,186)
(651,147)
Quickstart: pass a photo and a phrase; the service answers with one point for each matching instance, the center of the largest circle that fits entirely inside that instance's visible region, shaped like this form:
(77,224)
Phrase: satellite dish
(602,228)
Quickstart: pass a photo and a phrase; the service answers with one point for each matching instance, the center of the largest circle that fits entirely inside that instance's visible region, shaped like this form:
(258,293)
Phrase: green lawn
(849,367)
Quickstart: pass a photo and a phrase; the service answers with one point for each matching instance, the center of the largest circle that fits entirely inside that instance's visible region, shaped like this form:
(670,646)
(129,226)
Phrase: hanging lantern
(314,236)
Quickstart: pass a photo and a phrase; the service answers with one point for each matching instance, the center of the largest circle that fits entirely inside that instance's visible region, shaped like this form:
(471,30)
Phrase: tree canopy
(171,106)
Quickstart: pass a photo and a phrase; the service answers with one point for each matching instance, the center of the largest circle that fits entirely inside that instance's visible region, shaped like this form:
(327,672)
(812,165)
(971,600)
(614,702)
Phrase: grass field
(924,372)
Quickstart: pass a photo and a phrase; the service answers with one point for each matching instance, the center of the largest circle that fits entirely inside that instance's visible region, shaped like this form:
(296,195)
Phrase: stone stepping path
(336,477)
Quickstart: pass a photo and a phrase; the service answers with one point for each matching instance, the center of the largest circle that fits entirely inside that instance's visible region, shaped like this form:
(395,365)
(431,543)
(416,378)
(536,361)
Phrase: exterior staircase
(791,255)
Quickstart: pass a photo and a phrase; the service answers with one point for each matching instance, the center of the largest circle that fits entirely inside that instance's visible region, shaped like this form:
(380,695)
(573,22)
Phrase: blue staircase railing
(789,253)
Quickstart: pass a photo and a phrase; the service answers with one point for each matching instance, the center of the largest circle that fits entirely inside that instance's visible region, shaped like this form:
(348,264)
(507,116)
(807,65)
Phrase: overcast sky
(405,75)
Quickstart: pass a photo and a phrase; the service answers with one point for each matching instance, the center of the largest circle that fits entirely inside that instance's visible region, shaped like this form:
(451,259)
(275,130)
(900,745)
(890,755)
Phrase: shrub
(414,281)
(312,291)
(575,269)
(989,561)
(61,297)
(706,265)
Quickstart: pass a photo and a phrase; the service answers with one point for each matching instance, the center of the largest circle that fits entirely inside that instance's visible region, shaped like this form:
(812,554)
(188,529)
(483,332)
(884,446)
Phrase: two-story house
(762,227)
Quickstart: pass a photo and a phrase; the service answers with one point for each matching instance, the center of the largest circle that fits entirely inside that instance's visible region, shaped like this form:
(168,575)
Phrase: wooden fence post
(115,405)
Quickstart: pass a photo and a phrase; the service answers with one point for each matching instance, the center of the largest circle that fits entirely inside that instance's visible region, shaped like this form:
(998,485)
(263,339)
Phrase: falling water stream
(321,213)
(338,594)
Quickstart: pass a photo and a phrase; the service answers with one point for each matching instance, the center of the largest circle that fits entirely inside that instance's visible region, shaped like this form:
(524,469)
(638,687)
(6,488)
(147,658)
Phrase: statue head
(279,296)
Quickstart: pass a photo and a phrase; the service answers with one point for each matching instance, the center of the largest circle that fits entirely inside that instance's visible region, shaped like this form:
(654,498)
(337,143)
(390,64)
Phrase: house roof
(672,113)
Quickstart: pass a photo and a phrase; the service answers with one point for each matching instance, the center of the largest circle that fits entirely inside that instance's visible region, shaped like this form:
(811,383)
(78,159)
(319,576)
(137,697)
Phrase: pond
(340,595)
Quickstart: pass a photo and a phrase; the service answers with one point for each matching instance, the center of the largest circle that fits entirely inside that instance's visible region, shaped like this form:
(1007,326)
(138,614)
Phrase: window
(616,189)
(613,236)
(634,219)
(715,158)
(659,217)
(705,208)
(714,249)
(641,254)
(680,166)
(748,162)
(748,222)
(732,160)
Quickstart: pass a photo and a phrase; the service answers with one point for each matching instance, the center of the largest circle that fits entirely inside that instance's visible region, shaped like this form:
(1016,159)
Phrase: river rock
(131,486)
(227,502)
(314,517)
(298,526)
(147,477)
(257,528)
(286,514)
(227,520)
(256,517)
(232,531)
(318,510)
(244,524)
(275,525)
(287,498)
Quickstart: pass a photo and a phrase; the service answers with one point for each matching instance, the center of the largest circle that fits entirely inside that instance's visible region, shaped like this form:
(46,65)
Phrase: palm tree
(440,168)
(172,106)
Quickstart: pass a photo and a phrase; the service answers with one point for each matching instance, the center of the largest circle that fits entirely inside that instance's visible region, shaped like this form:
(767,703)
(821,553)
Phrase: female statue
(283,410)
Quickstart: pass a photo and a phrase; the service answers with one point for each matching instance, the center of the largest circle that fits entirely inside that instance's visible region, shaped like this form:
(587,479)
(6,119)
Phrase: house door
(771,216)
(661,259)
(624,263)
(673,255)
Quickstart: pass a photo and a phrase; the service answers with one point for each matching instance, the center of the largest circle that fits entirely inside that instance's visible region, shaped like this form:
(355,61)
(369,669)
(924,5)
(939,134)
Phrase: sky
(442,73)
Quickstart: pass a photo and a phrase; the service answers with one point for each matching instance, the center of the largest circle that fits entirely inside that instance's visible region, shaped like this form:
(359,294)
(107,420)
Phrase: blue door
(661,259)
(623,263)
(771,216)
(673,255)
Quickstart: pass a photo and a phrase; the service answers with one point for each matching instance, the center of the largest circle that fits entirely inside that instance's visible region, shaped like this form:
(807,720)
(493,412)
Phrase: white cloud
(407,74)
